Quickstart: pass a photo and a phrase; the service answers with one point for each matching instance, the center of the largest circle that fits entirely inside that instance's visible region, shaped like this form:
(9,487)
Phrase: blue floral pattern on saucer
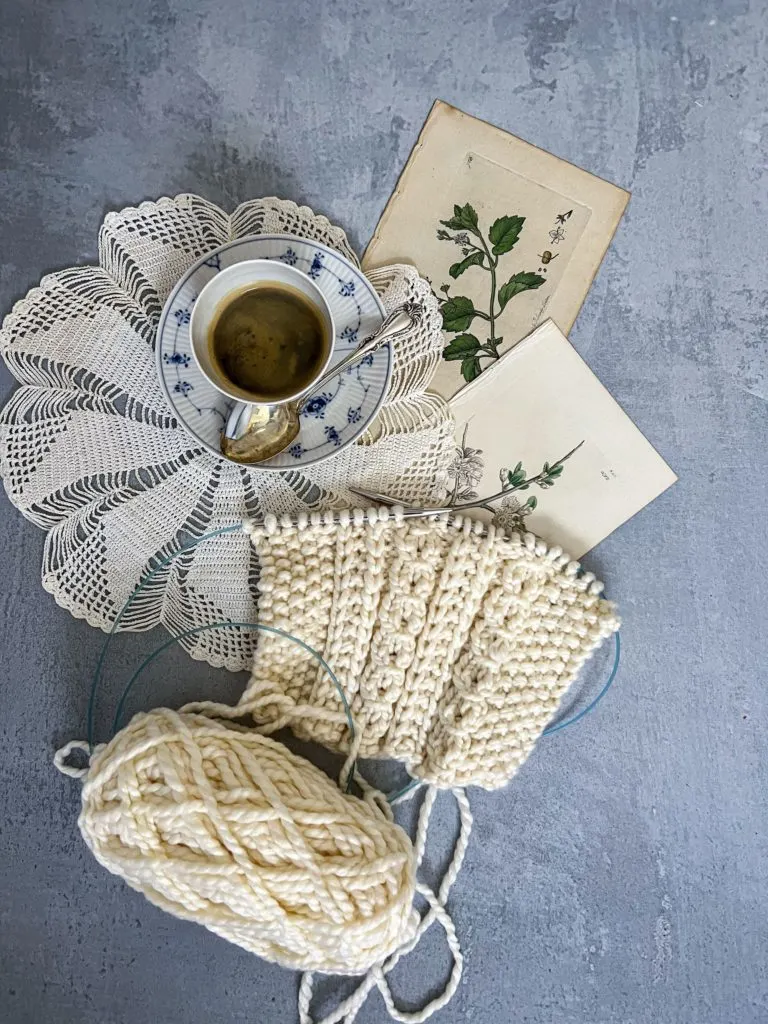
(332,419)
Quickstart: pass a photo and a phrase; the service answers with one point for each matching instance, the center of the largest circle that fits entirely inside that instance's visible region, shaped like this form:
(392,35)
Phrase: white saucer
(331,420)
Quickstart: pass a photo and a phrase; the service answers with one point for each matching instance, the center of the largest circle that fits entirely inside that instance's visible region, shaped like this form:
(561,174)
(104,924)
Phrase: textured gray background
(621,877)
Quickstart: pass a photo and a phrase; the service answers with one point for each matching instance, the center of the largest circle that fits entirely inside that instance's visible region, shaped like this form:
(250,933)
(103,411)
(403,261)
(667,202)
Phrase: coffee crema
(269,340)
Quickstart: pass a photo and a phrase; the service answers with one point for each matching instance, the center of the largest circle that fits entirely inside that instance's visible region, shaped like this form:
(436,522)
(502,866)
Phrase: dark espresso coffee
(268,340)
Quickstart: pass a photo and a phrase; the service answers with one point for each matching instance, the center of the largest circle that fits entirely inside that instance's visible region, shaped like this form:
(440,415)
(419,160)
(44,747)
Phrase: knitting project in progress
(436,641)
(454,643)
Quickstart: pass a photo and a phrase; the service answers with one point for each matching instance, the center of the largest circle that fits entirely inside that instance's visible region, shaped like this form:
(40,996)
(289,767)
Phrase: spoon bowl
(263,430)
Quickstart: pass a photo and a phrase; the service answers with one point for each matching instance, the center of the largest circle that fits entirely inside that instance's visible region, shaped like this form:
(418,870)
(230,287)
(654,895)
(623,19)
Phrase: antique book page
(540,412)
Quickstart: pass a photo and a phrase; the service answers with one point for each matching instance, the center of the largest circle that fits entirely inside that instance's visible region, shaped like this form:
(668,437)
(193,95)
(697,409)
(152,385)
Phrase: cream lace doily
(91,453)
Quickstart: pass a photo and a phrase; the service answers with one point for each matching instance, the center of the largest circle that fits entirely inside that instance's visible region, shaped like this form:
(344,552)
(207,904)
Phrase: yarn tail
(347,1011)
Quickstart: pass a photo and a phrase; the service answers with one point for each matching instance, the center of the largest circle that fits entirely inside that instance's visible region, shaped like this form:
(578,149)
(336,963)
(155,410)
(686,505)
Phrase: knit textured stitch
(454,643)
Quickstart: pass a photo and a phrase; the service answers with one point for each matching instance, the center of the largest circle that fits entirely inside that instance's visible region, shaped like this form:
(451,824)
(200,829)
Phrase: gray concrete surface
(621,878)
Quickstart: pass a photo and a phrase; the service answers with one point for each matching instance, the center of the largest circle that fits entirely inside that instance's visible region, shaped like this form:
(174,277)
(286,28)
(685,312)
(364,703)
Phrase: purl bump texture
(454,643)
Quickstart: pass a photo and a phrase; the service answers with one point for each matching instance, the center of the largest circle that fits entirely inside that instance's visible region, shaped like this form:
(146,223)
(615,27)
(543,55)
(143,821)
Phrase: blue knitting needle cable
(592,704)
(144,582)
(142,585)
(233,625)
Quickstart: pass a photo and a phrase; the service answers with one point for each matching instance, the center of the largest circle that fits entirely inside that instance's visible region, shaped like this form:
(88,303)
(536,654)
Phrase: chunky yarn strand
(228,828)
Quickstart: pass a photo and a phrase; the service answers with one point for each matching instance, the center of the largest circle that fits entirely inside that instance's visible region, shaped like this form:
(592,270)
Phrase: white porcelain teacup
(221,289)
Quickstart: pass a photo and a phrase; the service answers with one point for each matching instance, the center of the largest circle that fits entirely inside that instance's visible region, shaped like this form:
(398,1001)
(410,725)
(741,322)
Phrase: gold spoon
(255,433)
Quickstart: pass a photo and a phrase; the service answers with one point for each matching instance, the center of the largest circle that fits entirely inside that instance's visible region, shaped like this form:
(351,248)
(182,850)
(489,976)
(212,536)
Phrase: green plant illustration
(466,471)
(459,311)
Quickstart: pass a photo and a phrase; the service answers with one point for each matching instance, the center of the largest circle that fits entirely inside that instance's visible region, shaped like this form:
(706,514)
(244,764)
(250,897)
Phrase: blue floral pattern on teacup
(176,358)
(331,419)
(316,266)
(317,404)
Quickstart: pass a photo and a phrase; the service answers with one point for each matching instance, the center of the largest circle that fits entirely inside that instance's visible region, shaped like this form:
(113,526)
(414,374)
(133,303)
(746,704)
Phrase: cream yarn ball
(227,828)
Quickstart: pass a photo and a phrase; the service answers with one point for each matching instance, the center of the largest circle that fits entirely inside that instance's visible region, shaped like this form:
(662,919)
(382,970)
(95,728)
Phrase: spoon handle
(399,321)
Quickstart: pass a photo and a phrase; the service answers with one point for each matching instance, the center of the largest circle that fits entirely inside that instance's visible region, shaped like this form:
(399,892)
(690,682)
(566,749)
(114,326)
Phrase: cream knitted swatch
(453,643)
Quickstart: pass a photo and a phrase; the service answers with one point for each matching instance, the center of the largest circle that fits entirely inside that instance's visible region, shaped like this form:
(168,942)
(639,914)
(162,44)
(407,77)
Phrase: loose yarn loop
(63,754)
(348,1010)
(226,827)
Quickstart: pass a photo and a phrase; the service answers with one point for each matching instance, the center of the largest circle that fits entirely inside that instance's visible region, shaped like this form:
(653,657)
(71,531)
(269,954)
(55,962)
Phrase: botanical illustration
(458,310)
(466,471)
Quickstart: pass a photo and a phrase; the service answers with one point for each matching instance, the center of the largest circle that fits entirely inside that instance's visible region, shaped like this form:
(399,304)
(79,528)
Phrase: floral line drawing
(459,311)
(556,235)
(467,470)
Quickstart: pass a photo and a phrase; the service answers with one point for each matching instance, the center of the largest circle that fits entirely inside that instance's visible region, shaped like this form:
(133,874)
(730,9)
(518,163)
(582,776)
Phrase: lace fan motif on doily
(91,452)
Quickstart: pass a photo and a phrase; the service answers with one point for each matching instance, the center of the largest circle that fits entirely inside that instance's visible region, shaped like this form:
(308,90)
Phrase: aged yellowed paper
(507,234)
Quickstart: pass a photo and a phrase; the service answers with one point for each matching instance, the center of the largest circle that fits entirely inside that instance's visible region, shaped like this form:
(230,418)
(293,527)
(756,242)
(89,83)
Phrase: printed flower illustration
(464,472)
(289,257)
(459,311)
(467,468)
(557,235)
(347,288)
(511,514)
